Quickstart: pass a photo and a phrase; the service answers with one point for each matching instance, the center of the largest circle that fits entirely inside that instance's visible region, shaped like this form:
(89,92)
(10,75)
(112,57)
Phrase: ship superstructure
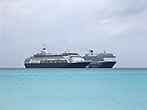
(101,60)
(48,60)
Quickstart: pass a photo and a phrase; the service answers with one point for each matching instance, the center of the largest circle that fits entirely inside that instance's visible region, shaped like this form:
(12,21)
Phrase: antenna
(105,51)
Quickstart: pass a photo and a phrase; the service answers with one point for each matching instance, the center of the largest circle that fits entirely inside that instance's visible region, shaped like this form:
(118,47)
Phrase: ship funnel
(44,51)
(91,52)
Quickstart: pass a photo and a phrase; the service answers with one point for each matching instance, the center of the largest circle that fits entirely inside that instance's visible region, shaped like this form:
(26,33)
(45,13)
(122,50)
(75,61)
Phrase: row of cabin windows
(53,61)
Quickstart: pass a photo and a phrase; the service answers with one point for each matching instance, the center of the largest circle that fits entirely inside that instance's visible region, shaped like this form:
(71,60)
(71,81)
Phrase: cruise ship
(101,60)
(48,60)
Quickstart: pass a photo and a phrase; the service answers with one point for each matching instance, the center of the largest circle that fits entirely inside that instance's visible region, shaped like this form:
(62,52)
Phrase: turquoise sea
(73,89)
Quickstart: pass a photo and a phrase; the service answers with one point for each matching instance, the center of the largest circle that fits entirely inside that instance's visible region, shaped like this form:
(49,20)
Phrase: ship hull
(102,65)
(57,65)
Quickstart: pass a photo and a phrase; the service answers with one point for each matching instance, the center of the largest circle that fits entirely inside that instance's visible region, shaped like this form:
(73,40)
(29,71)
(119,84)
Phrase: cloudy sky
(117,26)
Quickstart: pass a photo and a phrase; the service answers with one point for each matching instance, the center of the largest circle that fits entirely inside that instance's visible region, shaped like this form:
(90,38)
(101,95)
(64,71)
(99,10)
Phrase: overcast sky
(117,26)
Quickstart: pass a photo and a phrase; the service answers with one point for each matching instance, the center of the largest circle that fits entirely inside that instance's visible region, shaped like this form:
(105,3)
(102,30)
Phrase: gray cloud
(117,26)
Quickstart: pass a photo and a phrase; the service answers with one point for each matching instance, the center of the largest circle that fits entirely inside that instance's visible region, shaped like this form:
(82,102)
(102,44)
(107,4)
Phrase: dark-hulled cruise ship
(48,60)
(101,60)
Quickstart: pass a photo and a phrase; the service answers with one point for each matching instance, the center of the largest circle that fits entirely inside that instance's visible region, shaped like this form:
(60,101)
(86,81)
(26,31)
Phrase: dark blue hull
(57,65)
(102,65)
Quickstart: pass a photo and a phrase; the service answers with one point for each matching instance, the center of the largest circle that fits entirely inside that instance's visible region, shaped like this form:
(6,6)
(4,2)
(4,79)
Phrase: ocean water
(73,89)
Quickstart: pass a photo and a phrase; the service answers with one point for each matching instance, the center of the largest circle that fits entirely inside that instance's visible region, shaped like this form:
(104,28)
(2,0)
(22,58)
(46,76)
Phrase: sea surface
(73,89)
